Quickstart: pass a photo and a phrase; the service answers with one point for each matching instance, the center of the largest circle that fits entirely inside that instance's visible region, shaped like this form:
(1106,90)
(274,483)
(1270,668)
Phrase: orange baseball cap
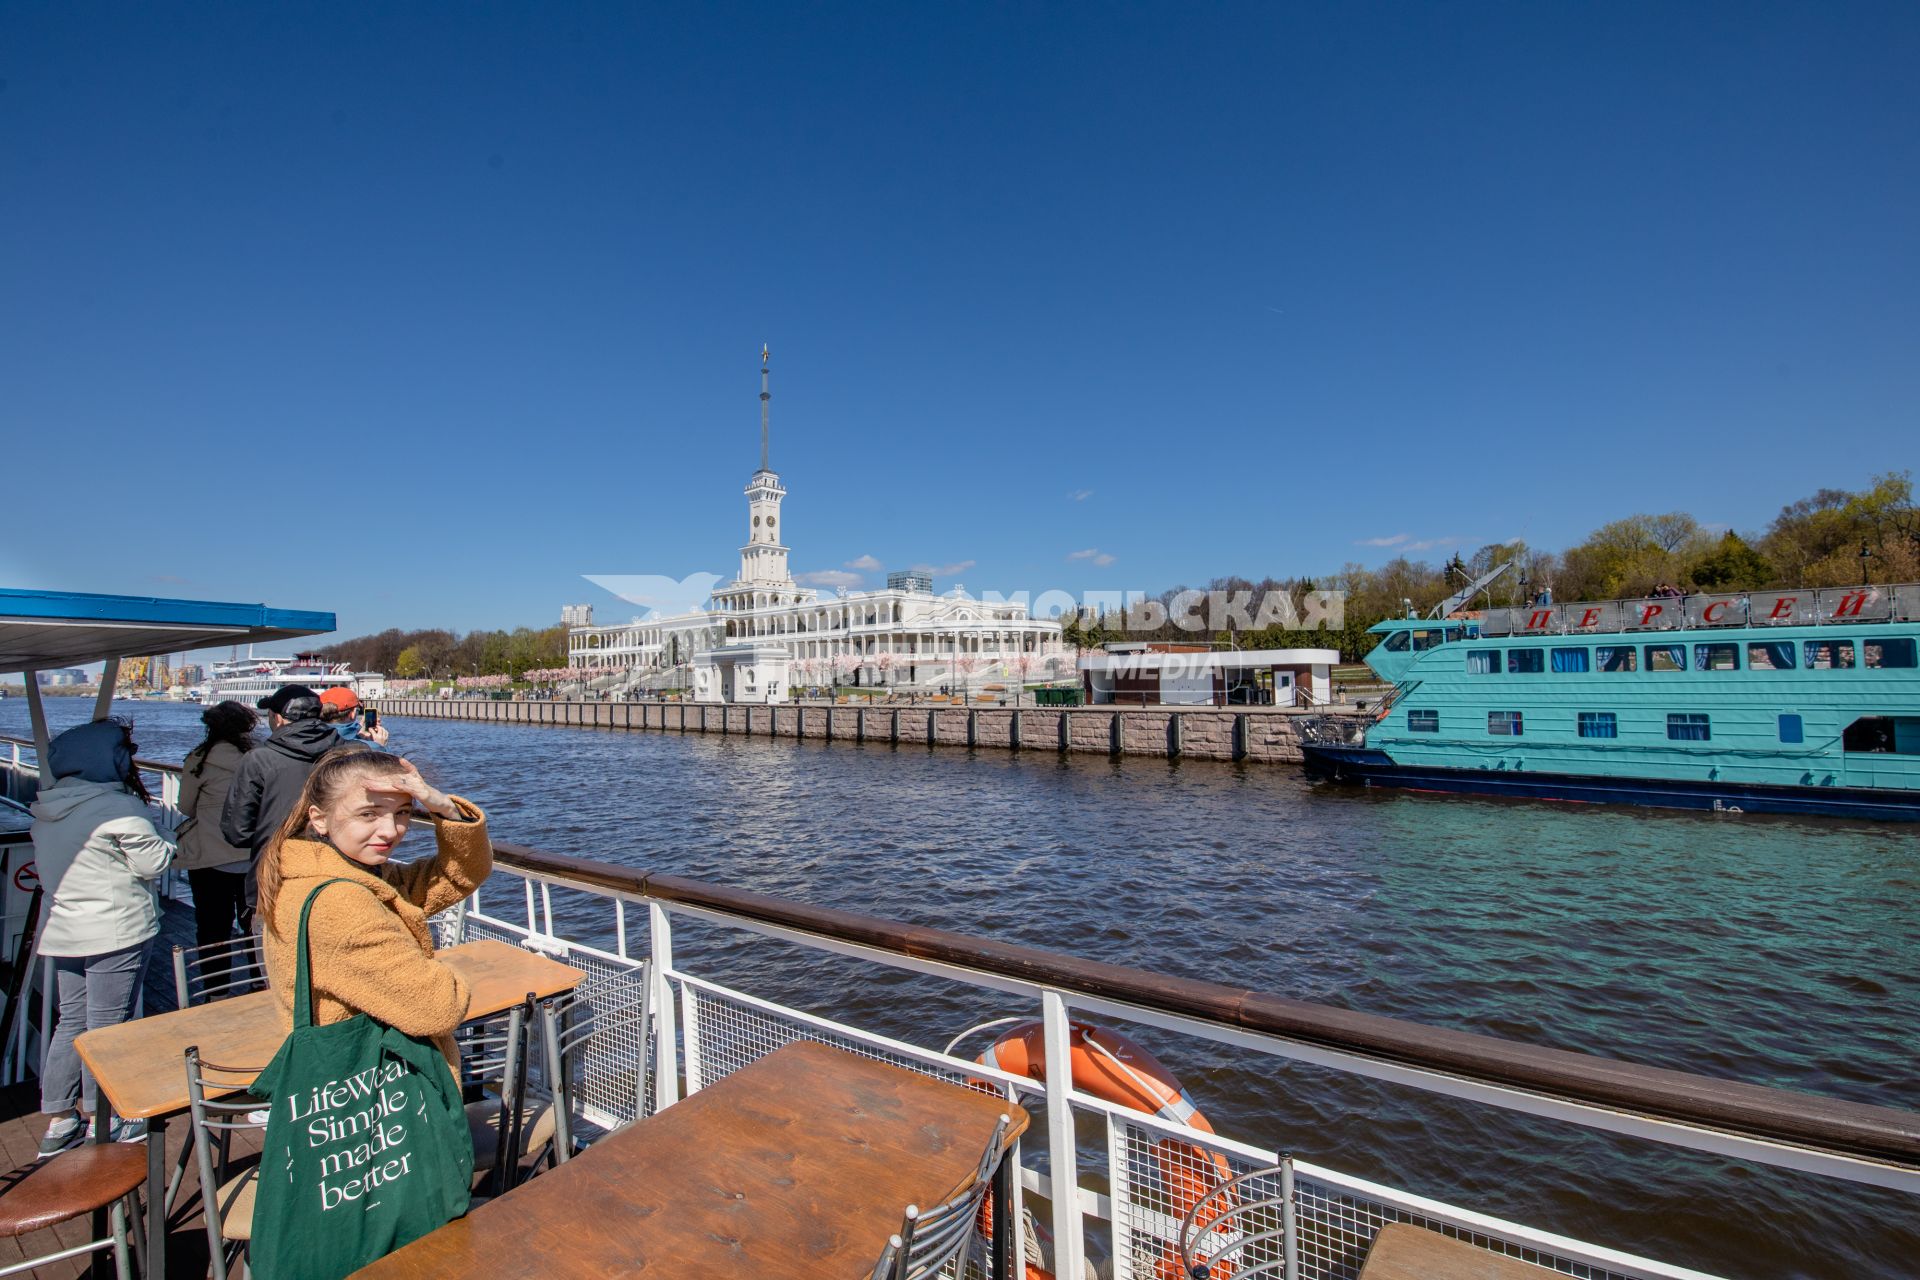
(340,696)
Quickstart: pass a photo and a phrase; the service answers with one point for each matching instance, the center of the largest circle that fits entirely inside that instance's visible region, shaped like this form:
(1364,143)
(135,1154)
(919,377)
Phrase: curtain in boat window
(1770,655)
(1482,662)
(1716,657)
(1566,660)
(1617,658)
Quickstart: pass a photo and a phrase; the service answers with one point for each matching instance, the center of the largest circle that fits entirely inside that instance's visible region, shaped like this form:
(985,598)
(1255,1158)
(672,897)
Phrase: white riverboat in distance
(250,679)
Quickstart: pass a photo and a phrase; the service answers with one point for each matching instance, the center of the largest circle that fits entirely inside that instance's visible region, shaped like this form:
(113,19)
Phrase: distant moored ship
(250,679)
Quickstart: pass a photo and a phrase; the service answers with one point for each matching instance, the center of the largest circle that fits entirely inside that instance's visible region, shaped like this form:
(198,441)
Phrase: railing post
(1289,1220)
(1120,1192)
(1069,1245)
(666,1047)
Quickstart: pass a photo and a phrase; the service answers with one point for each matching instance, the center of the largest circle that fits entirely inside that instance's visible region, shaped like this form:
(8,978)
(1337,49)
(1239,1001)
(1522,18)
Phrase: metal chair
(217,970)
(219,1106)
(209,972)
(493,1064)
(1241,1227)
(930,1240)
(106,1175)
(568,1026)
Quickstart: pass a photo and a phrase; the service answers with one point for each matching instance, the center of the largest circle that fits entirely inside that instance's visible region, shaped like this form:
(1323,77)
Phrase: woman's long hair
(230,722)
(330,777)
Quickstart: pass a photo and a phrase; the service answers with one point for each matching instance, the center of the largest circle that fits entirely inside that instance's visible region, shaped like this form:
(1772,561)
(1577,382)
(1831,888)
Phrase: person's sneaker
(129,1130)
(67,1131)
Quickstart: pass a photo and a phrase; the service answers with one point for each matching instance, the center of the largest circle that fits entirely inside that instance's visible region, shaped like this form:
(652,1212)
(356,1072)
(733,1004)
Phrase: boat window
(1506,724)
(1716,657)
(1666,657)
(1599,724)
(1890,653)
(1453,633)
(1823,655)
(1883,735)
(1396,642)
(1792,729)
(1565,660)
(1483,662)
(1770,655)
(1424,640)
(1527,661)
(1614,657)
(1423,721)
(1689,727)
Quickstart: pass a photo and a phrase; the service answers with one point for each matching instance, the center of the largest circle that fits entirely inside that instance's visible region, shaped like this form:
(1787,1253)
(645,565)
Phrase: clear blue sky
(419,313)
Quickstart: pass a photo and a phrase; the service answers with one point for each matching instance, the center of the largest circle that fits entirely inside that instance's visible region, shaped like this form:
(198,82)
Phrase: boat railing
(1802,606)
(1098,1173)
(1125,1192)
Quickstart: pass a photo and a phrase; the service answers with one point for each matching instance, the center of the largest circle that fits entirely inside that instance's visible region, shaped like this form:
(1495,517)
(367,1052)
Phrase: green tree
(1732,565)
(408,665)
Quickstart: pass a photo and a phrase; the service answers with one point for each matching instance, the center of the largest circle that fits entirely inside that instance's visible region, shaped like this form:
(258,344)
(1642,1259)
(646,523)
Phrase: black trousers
(219,904)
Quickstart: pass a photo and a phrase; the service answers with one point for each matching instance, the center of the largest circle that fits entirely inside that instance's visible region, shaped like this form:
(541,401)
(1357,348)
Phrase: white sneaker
(66,1131)
(129,1131)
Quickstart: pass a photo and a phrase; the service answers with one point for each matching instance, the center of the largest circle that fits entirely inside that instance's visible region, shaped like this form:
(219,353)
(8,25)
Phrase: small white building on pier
(1176,675)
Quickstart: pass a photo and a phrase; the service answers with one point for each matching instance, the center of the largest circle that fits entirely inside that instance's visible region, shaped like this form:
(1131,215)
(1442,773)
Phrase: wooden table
(798,1166)
(139,1066)
(1403,1251)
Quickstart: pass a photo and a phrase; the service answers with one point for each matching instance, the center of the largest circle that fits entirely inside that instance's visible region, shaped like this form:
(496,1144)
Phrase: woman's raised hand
(410,783)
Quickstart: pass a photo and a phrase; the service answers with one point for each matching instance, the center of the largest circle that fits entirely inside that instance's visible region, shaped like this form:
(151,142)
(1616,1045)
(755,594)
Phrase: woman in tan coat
(371,948)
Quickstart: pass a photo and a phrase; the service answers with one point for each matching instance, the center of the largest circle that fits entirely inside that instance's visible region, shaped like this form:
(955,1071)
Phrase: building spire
(765,396)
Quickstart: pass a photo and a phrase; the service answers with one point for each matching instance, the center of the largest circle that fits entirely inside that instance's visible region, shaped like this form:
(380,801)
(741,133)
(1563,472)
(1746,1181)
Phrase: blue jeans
(92,992)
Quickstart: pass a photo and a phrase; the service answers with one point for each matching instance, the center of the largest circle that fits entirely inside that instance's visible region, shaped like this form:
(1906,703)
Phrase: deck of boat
(21,1125)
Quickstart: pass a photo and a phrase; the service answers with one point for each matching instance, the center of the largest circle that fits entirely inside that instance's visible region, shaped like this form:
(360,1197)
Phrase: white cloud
(944,570)
(1407,542)
(1081,495)
(866,563)
(1094,554)
(828,578)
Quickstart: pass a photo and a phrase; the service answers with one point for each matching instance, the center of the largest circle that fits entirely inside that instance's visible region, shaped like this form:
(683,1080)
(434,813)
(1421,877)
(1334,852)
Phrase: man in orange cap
(340,707)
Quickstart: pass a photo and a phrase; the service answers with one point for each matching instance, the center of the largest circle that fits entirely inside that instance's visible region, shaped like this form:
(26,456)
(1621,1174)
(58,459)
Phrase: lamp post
(1865,552)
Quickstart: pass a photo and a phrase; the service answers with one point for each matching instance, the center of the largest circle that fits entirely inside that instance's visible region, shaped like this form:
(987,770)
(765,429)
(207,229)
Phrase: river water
(1776,951)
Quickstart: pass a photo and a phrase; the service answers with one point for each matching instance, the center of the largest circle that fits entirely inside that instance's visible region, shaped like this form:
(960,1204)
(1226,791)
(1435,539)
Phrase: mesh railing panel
(603,1086)
(1158,1179)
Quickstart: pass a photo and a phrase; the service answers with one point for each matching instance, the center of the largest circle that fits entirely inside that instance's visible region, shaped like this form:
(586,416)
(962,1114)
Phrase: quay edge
(1253,734)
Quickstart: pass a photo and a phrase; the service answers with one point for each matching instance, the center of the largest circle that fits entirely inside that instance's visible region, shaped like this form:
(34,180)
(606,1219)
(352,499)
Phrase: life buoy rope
(1112,1067)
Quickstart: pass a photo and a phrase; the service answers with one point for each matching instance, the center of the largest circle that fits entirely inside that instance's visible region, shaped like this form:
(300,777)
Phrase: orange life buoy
(1108,1065)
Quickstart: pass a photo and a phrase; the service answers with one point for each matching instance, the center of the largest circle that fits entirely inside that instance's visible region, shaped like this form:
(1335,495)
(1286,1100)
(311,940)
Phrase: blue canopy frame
(40,630)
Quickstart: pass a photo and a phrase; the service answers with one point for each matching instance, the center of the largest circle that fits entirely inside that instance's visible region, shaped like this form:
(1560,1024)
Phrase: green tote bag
(367,1144)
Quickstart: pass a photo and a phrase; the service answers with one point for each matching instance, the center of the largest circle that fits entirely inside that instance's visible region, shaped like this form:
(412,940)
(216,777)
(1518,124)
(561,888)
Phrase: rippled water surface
(1775,951)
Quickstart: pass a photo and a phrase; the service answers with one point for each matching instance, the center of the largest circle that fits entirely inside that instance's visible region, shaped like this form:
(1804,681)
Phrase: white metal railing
(706,1029)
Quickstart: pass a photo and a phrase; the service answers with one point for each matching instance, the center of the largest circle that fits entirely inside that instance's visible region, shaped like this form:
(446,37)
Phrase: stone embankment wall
(1191,733)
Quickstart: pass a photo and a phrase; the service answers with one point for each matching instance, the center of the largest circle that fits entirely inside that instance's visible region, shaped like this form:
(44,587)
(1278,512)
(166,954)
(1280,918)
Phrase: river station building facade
(763,632)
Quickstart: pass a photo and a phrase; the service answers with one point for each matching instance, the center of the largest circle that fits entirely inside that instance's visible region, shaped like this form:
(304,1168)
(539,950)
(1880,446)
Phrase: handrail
(1838,1127)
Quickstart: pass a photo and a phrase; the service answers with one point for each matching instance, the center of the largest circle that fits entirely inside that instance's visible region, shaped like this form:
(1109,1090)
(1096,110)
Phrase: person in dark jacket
(270,776)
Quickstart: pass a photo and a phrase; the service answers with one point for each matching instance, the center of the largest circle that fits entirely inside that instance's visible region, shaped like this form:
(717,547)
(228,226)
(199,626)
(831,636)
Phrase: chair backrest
(218,1105)
(585,1023)
(931,1239)
(218,969)
(1240,1227)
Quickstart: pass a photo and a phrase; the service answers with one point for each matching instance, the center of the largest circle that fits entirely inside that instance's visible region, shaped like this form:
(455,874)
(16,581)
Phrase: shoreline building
(763,632)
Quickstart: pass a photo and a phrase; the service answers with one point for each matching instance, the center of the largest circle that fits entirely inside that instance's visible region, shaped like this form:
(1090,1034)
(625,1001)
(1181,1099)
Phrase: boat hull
(1373,768)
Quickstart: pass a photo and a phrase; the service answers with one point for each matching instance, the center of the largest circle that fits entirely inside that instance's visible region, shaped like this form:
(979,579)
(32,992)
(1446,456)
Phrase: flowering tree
(964,666)
(481,682)
(407,686)
(1021,665)
(883,667)
(844,664)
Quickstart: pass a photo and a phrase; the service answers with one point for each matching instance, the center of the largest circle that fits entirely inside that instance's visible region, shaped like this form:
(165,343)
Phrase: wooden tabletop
(797,1166)
(1403,1251)
(138,1064)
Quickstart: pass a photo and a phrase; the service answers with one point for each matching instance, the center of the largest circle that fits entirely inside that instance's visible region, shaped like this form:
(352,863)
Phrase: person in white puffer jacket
(98,852)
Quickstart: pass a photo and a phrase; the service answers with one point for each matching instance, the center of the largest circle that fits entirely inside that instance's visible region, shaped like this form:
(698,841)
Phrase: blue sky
(419,313)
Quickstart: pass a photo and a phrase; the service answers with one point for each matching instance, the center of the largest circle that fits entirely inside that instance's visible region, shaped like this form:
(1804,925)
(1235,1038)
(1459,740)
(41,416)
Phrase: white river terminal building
(763,633)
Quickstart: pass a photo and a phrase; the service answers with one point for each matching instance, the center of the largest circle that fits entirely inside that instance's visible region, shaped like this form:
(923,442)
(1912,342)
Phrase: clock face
(756,522)
(769,522)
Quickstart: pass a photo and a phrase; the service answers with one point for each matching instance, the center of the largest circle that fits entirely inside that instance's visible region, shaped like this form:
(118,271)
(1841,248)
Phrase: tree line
(437,653)
(1816,542)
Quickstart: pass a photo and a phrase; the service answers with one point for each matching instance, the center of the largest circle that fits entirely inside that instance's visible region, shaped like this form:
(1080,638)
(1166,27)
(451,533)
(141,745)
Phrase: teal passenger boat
(1802,701)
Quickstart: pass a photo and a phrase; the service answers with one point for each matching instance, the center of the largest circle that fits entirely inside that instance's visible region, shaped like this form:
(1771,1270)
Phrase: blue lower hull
(1377,769)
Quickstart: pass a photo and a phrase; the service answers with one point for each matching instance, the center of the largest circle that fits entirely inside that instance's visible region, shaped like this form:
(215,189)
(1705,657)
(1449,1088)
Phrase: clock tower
(763,561)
